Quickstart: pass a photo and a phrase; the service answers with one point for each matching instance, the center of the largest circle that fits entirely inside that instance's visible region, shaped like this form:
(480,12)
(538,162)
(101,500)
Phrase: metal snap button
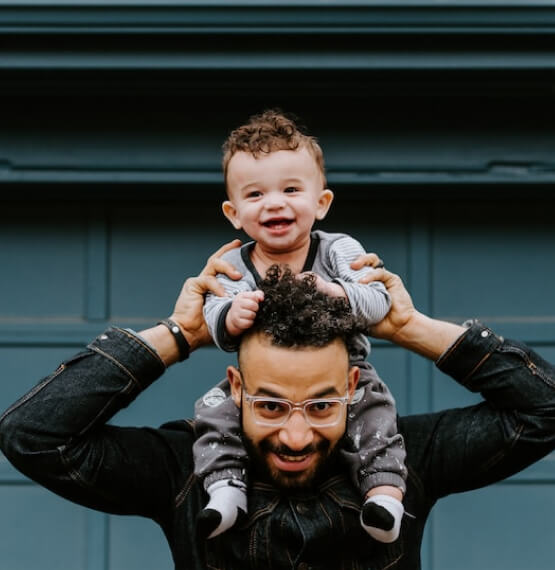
(301,508)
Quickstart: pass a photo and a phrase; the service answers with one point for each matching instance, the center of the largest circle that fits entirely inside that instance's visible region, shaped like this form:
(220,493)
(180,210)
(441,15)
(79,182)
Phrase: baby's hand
(242,313)
(331,289)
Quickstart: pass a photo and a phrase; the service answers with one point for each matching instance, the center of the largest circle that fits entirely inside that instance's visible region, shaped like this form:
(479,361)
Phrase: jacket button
(303,566)
(302,509)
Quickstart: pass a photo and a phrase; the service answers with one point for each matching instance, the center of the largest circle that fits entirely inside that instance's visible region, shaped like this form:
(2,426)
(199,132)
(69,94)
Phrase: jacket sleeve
(462,449)
(57,434)
(370,301)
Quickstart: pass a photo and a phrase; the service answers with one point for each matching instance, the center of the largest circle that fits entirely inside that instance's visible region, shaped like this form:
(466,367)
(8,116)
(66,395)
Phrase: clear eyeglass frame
(290,407)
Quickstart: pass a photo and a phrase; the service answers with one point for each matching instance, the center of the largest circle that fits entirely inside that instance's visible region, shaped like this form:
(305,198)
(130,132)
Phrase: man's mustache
(266,447)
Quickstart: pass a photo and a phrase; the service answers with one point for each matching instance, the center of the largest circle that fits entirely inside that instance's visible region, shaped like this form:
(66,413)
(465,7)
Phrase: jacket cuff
(223,339)
(382,478)
(131,353)
(465,356)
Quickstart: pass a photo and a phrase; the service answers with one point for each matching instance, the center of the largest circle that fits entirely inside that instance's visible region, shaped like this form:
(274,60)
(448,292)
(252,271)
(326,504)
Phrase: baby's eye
(254,194)
(291,189)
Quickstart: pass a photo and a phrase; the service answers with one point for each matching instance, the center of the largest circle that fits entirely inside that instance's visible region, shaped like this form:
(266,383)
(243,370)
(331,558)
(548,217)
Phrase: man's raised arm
(187,313)
(57,434)
(404,325)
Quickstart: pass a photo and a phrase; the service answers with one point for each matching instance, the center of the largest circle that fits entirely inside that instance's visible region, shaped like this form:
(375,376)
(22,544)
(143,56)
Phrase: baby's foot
(381,517)
(228,502)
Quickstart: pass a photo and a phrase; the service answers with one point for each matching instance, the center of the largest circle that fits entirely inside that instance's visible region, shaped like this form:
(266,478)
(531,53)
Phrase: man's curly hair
(294,313)
(268,132)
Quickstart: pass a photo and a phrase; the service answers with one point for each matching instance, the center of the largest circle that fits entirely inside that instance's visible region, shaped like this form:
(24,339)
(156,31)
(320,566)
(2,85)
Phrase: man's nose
(296,434)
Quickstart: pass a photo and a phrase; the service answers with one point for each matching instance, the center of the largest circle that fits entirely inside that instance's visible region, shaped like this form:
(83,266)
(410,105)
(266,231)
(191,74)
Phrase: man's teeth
(294,458)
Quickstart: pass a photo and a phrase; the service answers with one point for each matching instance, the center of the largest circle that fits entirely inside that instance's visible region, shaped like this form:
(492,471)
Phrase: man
(304,513)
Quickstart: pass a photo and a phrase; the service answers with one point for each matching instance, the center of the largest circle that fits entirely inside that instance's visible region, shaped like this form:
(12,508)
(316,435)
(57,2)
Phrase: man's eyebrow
(326,392)
(332,391)
(267,392)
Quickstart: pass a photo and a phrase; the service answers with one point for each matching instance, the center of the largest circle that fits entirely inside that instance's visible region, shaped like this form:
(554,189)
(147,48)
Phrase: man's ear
(230,212)
(234,379)
(324,202)
(354,375)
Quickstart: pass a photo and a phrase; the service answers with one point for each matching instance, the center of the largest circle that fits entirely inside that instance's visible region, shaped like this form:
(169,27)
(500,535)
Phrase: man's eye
(322,407)
(270,408)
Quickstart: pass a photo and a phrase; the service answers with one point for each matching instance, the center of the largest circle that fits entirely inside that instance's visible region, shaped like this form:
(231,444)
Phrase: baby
(276,190)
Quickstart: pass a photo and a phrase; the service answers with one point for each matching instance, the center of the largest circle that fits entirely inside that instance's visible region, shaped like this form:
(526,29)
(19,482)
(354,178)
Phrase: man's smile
(285,462)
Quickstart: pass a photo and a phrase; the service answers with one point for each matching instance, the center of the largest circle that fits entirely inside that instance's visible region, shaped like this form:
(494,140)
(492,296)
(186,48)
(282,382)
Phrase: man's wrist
(426,336)
(182,343)
(161,340)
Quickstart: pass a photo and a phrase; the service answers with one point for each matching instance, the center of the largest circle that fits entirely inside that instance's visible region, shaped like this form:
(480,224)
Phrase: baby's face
(276,197)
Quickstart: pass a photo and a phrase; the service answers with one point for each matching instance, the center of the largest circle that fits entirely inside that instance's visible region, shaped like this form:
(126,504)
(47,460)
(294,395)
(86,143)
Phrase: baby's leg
(382,513)
(375,454)
(220,460)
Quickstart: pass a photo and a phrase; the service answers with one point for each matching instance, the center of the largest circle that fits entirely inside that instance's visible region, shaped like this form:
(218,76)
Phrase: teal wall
(437,122)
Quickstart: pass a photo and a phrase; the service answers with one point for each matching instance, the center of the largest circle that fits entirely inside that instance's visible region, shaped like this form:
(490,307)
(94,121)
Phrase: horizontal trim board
(27,332)
(215,178)
(303,60)
(303,17)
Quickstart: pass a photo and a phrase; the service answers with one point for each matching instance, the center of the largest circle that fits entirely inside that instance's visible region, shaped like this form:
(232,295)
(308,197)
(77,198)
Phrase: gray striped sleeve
(216,307)
(371,301)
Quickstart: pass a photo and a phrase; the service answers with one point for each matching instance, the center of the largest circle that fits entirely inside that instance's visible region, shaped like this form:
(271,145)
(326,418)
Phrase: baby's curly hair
(268,132)
(295,313)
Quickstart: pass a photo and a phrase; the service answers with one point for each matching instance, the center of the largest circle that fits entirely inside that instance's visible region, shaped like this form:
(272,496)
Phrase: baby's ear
(230,212)
(324,202)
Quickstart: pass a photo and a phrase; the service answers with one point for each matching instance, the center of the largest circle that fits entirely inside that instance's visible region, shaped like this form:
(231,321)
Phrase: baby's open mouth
(277,223)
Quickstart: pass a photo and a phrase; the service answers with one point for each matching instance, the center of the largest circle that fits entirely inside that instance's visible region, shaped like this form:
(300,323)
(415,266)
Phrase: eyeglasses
(275,412)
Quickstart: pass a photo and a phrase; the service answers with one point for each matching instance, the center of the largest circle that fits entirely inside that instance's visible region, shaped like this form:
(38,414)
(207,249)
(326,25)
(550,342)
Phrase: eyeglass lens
(317,412)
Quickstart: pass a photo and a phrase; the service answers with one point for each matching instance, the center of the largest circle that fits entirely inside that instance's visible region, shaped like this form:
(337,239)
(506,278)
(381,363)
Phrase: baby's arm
(371,303)
(242,312)
(216,310)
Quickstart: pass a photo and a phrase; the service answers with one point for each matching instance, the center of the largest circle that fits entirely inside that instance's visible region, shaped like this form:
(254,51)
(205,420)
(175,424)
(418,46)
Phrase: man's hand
(242,312)
(326,287)
(367,260)
(404,325)
(188,307)
(402,309)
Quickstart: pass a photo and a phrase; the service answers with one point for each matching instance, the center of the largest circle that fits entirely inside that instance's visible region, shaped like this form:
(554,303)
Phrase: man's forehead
(259,343)
(267,366)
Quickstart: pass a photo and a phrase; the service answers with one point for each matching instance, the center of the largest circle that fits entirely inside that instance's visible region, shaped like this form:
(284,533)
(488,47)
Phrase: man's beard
(261,465)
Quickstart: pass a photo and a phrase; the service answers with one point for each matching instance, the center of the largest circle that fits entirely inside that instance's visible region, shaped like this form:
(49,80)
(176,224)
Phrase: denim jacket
(57,435)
